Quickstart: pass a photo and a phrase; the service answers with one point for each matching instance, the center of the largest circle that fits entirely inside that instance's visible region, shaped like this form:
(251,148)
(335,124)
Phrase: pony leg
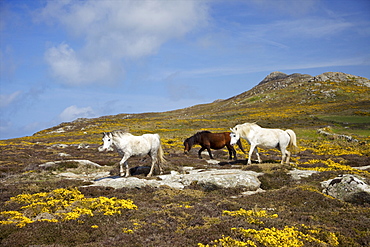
(258,156)
(200,151)
(154,160)
(250,154)
(231,152)
(288,156)
(160,168)
(283,155)
(209,152)
(121,163)
(127,170)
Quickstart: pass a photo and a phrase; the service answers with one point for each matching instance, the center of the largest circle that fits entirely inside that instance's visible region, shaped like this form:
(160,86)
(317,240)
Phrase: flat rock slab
(80,162)
(85,176)
(217,178)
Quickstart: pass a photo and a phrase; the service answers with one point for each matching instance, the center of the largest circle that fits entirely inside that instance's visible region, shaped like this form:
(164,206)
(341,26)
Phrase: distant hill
(279,100)
(280,96)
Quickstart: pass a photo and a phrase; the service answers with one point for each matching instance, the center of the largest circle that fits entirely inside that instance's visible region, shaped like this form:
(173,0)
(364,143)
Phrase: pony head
(234,136)
(107,142)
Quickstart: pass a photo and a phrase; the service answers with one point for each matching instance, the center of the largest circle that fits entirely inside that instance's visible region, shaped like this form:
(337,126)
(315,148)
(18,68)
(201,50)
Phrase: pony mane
(195,138)
(119,133)
(203,132)
(245,128)
(198,134)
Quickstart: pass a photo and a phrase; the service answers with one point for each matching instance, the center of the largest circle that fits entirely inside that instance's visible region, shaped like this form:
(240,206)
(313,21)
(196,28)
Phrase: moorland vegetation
(39,208)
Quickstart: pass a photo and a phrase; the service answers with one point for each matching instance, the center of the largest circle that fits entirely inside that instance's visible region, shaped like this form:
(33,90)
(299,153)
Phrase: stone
(208,179)
(213,162)
(297,174)
(133,182)
(87,177)
(45,216)
(58,146)
(63,155)
(349,188)
(80,162)
(83,145)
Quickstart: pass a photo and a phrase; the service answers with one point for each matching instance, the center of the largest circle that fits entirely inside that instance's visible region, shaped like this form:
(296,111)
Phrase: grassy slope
(162,218)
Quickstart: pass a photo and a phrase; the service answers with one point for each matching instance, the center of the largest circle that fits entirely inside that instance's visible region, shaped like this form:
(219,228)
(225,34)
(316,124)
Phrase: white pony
(265,138)
(129,145)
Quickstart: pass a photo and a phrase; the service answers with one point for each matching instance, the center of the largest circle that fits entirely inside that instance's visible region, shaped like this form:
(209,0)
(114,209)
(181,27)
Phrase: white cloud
(74,70)
(7,99)
(73,112)
(113,31)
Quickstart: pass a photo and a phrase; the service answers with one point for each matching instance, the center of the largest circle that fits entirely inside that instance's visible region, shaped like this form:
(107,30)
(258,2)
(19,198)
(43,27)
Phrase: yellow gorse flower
(273,237)
(62,204)
(330,166)
(252,216)
(290,236)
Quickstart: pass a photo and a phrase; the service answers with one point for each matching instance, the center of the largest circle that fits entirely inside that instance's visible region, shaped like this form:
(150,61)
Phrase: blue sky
(62,59)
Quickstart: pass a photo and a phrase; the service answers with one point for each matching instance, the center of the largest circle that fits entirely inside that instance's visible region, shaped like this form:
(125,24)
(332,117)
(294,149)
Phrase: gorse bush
(289,236)
(251,216)
(61,205)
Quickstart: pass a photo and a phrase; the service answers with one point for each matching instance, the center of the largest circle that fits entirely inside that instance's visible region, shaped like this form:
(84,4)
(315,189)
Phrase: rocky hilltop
(278,80)
(327,76)
(282,76)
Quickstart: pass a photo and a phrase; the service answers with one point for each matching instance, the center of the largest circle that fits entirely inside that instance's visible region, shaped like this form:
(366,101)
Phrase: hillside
(275,101)
(336,103)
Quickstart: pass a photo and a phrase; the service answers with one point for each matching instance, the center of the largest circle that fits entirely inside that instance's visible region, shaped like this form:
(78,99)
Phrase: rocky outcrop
(279,78)
(349,188)
(341,77)
(208,179)
(274,76)
(327,132)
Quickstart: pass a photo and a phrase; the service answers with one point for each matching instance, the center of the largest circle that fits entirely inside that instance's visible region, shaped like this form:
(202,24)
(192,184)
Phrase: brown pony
(209,140)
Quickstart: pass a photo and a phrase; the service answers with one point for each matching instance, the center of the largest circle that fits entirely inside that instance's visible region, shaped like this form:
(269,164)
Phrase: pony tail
(293,140)
(160,155)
